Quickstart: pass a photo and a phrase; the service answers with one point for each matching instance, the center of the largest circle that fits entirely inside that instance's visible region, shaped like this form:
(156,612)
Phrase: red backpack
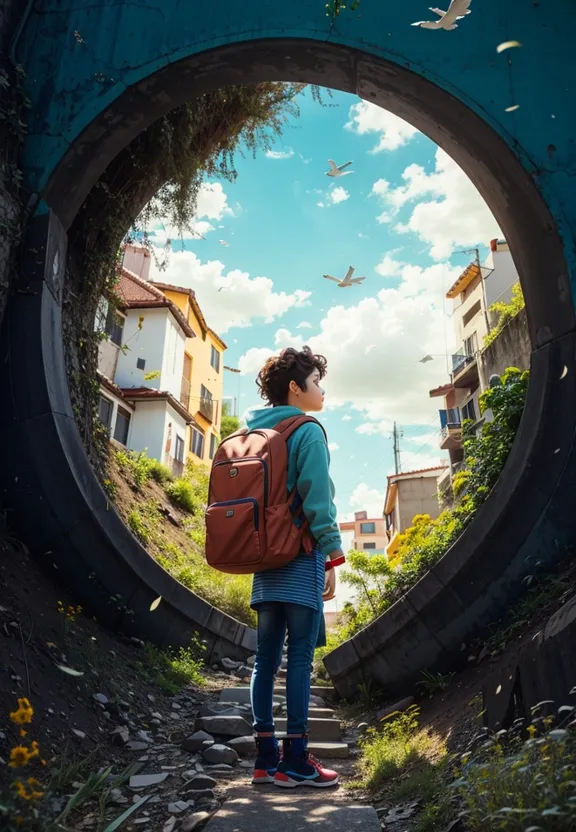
(252,523)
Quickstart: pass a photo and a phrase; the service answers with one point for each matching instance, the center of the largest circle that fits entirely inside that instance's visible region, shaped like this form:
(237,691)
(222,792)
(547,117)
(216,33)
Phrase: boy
(291,598)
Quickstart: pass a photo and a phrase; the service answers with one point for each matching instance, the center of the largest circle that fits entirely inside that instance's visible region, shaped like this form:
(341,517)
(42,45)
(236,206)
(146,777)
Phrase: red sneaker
(304,772)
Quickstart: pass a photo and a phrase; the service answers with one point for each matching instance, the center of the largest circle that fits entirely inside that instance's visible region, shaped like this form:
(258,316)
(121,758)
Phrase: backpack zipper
(243,500)
(249,459)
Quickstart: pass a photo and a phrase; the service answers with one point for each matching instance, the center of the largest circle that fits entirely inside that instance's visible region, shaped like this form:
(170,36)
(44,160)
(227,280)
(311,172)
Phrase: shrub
(505,312)
(182,495)
(136,464)
(160,473)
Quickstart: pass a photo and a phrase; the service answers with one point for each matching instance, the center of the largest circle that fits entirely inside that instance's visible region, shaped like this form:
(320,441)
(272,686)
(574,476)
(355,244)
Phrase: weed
(160,473)
(181,493)
(137,524)
(396,747)
(512,784)
(434,682)
(173,670)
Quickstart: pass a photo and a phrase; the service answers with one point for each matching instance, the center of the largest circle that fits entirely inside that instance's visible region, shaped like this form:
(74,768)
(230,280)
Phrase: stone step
(322,730)
(272,809)
(321,713)
(316,690)
(242,694)
(329,750)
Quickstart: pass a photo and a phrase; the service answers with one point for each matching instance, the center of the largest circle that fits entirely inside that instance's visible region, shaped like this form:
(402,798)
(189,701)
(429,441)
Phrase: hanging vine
(157,176)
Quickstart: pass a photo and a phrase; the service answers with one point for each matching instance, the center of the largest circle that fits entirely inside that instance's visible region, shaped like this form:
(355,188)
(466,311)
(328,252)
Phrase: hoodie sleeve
(317,492)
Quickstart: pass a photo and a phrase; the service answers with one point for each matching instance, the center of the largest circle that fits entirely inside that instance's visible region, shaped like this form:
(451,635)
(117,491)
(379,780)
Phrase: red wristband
(330,564)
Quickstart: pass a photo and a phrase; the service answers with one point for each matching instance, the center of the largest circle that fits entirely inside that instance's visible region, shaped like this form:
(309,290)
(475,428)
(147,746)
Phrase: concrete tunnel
(88,103)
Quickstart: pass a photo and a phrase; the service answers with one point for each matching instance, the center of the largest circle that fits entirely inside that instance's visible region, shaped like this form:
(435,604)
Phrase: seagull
(338,170)
(456,11)
(345,281)
(223,242)
(426,359)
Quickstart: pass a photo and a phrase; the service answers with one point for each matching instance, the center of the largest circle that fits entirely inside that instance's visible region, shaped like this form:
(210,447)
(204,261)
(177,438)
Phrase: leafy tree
(229,424)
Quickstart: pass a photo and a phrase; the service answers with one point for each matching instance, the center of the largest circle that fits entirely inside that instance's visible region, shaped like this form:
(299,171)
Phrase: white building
(141,367)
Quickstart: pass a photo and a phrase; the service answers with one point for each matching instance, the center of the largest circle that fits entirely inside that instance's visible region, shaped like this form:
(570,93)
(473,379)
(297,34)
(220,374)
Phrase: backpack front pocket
(233,535)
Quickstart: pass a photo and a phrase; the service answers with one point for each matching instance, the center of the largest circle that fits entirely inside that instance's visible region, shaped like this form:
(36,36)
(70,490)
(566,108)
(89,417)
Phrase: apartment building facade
(369,533)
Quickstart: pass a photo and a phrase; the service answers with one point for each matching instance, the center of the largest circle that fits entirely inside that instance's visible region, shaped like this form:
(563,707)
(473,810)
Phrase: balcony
(185,392)
(451,437)
(207,408)
(464,370)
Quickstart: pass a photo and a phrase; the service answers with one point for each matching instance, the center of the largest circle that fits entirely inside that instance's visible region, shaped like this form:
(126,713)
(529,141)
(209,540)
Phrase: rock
(243,672)
(156,715)
(193,821)
(206,795)
(170,824)
(224,709)
(244,746)
(220,754)
(120,736)
(178,807)
(402,705)
(220,768)
(79,734)
(145,736)
(200,782)
(317,701)
(137,641)
(136,745)
(251,661)
(207,744)
(176,706)
(228,726)
(194,741)
(229,664)
(100,698)
(117,797)
(138,780)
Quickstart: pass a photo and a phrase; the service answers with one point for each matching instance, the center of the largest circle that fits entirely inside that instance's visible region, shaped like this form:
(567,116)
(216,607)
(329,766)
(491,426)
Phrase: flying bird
(345,281)
(223,242)
(338,170)
(456,11)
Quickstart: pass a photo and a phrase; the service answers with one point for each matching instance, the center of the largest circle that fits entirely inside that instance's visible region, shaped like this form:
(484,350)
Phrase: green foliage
(399,744)
(505,312)
(174,669)
(229,424)
(513,784)
(381,583)
(181,493)
(160,473)
(137,465)
(434,682)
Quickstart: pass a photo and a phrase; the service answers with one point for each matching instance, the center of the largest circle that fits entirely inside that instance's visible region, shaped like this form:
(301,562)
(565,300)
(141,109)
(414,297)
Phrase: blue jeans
(303,625)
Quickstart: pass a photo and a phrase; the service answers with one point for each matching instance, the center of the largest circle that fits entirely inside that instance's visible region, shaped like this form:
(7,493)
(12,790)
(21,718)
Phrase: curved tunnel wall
(138,63)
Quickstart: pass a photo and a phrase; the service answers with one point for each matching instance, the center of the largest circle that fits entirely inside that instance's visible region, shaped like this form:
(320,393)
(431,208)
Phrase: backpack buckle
(233,472)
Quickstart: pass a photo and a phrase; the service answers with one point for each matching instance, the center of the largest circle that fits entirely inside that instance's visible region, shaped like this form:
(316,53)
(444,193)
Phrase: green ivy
(505,313)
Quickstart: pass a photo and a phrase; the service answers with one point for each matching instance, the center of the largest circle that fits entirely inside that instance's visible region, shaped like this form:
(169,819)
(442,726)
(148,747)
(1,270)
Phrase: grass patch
(181,493)
(174,670)
(399,746)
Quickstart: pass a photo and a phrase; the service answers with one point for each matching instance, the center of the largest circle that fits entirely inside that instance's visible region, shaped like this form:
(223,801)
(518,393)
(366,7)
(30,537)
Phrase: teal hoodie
(308,470)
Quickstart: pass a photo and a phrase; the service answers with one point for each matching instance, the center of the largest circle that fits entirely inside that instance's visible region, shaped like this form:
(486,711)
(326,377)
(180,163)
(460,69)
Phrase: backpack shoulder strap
(287,426)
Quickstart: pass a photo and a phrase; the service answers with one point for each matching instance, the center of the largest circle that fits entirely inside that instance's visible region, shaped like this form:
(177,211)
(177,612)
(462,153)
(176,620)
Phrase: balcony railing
(451,437)
(207,408)
(460,359)
(185,392)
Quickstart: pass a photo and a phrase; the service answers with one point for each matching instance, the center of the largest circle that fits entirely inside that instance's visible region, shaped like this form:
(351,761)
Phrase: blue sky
(397,218)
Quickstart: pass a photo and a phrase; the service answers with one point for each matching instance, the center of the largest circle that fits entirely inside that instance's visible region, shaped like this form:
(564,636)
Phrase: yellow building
(202,376)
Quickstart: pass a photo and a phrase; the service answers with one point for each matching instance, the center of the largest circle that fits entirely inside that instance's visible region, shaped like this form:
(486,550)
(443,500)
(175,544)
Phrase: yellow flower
(24,713)
(33,793)
(19,756)
(531,730)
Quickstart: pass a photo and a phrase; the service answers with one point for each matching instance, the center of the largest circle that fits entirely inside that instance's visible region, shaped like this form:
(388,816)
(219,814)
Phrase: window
(469,411)
(205,393)
(213,445)
(179,449)
(197,442)
(215,359)
(114,326)
(369,545)
(140,363)
(471,345)
(472,312)
(367,528)
(122,425)
(105,408)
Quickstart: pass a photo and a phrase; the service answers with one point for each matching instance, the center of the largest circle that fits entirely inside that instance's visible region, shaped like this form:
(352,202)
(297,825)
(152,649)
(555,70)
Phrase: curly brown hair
(291,365)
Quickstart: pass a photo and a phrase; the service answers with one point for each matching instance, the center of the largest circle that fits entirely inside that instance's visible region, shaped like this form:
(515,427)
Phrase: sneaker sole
(286,782)
(261,778)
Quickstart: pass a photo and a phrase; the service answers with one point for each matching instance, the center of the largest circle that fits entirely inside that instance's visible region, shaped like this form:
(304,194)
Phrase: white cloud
(333,446)
(337,195)
(280,154)
(368,118)
(346,417)
(364,498)
(320,204)
(211,203)
(304,325)
(230,298)
(431,282)
(380,428)
(449,212)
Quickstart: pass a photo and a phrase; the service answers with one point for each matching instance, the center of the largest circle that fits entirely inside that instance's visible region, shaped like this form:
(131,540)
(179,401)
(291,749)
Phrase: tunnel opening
(76,525)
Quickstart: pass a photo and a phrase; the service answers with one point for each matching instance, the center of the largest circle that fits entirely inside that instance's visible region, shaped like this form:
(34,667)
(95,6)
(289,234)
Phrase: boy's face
(311,400)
